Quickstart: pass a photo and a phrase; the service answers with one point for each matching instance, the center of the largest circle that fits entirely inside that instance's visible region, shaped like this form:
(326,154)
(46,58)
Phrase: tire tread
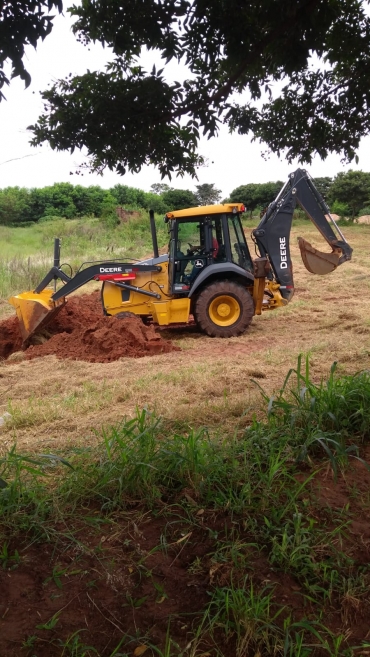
(219,288)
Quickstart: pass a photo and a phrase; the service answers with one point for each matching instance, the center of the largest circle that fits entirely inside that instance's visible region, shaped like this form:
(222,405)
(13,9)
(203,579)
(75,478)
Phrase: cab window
(218,247)
(239,250)
(189,255)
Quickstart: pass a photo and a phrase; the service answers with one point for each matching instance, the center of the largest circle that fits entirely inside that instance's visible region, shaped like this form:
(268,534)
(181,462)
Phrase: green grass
(333,416)
(256,481)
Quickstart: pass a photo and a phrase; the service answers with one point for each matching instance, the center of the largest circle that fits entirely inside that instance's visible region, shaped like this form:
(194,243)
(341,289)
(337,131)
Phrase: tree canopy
(352,189)
(348,195)
(19,205)
(323,185)
(256,195)
(303,65)
(207,194)
(179,199)
(22,24)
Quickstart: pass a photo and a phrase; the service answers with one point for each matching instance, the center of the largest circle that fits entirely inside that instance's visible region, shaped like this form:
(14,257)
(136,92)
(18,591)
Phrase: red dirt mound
(80,331)
(10,337)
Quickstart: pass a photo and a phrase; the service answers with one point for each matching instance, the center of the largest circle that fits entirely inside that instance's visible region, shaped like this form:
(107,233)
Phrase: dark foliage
(323,185)
(179,199)
(127,117)
(22,24)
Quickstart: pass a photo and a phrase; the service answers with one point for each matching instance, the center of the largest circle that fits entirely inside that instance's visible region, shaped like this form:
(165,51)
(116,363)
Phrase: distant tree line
(19,205)
(348,194)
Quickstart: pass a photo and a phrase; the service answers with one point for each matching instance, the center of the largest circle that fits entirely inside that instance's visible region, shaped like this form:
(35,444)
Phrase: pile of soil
(365,219)
(80,331)
(10,337)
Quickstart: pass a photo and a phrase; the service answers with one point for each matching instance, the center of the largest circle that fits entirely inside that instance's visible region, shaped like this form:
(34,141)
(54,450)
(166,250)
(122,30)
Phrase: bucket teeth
(34,311)
(317,262)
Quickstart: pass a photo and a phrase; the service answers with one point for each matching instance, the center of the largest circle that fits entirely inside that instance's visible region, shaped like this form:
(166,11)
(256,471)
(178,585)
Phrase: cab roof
(200,211)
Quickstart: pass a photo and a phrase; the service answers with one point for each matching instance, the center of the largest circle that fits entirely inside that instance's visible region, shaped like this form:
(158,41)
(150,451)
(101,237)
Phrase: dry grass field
(55,404)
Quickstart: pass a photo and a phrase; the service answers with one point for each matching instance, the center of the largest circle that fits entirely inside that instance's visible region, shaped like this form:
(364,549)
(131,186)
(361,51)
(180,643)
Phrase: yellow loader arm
(36,308)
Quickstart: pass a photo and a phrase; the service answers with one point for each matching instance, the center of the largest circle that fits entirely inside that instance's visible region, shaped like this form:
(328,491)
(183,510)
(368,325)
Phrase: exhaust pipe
(154,234)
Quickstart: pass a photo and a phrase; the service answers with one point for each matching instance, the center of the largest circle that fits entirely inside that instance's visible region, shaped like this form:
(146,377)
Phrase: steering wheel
(193,250)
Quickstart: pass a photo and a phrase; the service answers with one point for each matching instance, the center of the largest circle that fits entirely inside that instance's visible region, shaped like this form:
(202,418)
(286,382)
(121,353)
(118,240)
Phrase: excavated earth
(80,331)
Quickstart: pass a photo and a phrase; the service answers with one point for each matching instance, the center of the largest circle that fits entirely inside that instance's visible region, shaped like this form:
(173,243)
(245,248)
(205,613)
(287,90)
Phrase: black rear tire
(126,315)
(224,309)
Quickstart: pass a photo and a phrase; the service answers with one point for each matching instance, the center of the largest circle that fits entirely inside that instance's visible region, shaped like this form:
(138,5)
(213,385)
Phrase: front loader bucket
(34,311)
(318,262)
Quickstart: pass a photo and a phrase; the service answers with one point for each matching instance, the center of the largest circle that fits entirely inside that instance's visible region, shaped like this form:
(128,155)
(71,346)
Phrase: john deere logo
(110,270)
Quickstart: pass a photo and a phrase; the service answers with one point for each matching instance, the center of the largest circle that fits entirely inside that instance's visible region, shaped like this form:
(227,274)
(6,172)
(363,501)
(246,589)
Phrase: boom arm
(272,235)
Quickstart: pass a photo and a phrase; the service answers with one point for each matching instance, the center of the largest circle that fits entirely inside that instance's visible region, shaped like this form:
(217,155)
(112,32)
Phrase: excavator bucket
(34,311)
(317,262)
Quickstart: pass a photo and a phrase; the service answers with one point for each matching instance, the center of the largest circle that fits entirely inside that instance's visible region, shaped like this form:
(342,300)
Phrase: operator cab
(205,237)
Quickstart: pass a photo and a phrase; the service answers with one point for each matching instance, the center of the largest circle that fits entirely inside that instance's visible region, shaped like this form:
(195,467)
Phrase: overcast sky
(232,159)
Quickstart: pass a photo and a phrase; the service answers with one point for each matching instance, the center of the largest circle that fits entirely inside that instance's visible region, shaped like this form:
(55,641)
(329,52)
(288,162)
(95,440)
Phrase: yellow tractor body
(166,310)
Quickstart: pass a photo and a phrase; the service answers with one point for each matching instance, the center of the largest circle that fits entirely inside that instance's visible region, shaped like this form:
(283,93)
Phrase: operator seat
(183,261)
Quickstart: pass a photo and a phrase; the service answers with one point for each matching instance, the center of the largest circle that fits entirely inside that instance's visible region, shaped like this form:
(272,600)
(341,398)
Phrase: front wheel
(224,309)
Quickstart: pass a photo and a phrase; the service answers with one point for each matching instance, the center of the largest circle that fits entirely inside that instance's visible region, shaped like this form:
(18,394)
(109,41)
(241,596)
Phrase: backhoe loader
(208,273)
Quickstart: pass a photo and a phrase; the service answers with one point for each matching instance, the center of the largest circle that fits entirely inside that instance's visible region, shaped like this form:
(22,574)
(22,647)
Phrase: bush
(341,209)
(364,211)
(110,220)
(156,203)
(24,224)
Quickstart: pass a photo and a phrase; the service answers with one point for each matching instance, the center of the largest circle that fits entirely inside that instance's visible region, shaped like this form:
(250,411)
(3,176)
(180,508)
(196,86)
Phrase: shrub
(340,208)
(364,211)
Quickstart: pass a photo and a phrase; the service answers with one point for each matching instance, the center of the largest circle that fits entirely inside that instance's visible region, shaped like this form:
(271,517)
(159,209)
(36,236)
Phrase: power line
(19,158)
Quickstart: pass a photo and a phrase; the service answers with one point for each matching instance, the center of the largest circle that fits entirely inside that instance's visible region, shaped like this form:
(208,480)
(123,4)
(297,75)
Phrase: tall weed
(18,274)
(340,404)
(330,415)
(246,616)
(24,494)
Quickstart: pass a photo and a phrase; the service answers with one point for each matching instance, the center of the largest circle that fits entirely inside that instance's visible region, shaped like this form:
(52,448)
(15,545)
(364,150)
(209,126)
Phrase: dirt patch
(124,215)
(133,577)
(99,593)
(365,219)
(81,332)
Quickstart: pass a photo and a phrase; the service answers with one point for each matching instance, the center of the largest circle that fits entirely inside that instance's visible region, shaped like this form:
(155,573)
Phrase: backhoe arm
(272,235)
